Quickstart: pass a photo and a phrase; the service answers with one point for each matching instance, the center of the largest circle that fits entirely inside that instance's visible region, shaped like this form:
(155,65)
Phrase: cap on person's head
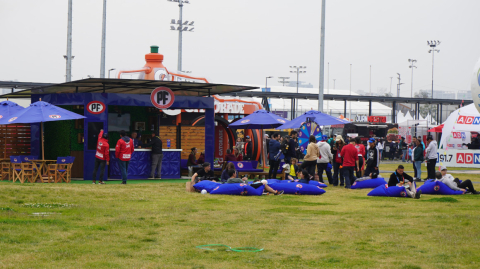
(371,140)
(339,138)
(105,135)
(205,164)
(443,167)
(324,137)
(122,133)
(247,137)
(429,138)
(266,135)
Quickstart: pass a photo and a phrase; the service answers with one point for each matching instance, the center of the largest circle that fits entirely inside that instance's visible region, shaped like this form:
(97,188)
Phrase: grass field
(158,225)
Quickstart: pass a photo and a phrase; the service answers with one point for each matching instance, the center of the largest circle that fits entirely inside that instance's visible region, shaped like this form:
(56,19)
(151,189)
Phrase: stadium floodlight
(172,28)
(297,71)
(192,23)
(173,21)
(181,29)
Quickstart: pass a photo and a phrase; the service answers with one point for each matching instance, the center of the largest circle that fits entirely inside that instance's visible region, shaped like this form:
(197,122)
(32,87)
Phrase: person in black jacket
(373,158)
(292,145)
(157,155)
(401,179)
(248,154)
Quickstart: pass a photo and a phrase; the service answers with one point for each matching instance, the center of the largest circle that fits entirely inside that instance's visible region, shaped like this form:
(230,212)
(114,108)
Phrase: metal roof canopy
(127,86)
(361,98)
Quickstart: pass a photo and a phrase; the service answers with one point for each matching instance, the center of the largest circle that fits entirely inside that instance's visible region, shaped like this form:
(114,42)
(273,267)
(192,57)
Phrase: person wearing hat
(204,174)
(431,157)
(102,156)
(248,154)
(455,184)
(373,158)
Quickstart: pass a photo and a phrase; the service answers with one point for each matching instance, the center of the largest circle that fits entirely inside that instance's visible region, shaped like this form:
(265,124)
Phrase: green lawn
(158,225)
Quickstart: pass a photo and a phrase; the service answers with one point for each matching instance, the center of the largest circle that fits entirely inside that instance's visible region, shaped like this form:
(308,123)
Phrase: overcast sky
(242,42)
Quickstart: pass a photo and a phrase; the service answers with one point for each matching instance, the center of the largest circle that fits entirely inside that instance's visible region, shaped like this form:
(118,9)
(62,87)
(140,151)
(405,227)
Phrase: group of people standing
(349,160)
(123,153)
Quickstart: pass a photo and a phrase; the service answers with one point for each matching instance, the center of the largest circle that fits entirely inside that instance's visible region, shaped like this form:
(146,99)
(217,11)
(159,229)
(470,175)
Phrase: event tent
(464,119)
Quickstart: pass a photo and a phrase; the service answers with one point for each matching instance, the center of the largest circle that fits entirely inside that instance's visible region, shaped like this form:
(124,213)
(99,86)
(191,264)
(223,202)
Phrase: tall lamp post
(69,56)
(297,71)
(182,27)
(412,66)
(109,70)
(266,79)
(433,48)
(283,80)
(104,32)
(398,95)
(350,103)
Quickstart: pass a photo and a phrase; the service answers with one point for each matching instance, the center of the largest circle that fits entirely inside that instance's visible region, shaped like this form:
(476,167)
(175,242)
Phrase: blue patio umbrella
(41,112)
(318,117)
(260,119)
(8,108)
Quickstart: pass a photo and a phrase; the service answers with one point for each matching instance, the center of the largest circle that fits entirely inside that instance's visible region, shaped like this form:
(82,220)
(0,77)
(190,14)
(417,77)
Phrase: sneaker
(151,178)
(418,194)
(418,180)
(279,193)
(475,192)
(342,185)
(101,182)
(124,182)
(94,182)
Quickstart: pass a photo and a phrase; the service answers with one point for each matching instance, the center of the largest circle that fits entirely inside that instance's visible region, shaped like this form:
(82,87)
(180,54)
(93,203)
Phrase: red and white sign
(162,97)
(96,107)
(54,116)
(458,158)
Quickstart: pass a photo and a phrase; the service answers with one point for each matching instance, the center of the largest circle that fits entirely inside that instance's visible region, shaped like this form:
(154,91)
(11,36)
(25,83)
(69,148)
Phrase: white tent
(464,119)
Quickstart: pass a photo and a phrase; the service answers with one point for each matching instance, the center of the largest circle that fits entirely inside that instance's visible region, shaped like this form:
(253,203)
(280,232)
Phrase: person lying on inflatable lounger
(233,179)
(398,179)
(466,186)
(257,183)
(372,175)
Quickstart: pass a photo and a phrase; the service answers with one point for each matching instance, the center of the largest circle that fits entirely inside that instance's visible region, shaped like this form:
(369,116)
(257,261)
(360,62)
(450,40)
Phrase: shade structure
(41,112)
(318,117)
(260,119)
(437,129)
(8,108)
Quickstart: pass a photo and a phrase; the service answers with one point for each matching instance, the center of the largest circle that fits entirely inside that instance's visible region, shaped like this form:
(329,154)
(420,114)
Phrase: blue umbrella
(318,117)
(260,119)
(41,112)
(8,108)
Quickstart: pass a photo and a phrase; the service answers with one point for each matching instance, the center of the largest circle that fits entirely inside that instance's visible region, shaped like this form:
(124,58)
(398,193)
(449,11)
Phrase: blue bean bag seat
(384,190)
(312,182)
(237,189)
(206,185)
(438,187)
(369,183)
(297,188)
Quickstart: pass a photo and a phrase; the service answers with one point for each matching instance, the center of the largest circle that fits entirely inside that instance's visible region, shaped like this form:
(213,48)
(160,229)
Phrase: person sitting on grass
(401,179)
(292,169)
(204,174)
(233,177)
(373,174)
(305,177)
(224,177)
(466,186)
(257,183)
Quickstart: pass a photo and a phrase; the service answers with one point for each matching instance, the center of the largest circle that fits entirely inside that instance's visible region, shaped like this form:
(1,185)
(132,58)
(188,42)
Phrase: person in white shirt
(455,184)
(431,157)
(323,160)
(380,148)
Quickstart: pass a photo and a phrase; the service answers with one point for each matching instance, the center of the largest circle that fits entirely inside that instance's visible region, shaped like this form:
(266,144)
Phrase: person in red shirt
(337,161)
(229,157)
(361,152)
(123,152)
(102,156)
(350,161)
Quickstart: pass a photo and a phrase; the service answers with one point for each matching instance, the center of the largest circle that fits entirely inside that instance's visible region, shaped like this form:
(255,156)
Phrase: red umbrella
(437,129)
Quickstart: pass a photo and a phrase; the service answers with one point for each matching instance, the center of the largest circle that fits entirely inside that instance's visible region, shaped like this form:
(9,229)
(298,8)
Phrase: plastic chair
(27,173)
(16,168)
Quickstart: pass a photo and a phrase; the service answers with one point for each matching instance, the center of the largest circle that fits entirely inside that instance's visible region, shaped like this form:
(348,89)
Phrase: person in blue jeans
(418,159)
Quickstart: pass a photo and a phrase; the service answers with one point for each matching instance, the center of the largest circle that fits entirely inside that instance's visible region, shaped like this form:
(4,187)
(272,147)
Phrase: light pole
(104,31)
(433,48)
(297,71)
(350,103)
(391,79)
(69,56)
(334,83)
(109,70)
(283,80)
(412,66)
(266,78)
(370,85)
(182,27)
(322,59)
(398,95)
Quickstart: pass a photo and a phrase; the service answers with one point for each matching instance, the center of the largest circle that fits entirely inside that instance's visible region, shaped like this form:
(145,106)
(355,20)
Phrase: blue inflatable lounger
(369,183)
(385,190)
(438,187)
(206,185)
(238,189)
(297,188)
